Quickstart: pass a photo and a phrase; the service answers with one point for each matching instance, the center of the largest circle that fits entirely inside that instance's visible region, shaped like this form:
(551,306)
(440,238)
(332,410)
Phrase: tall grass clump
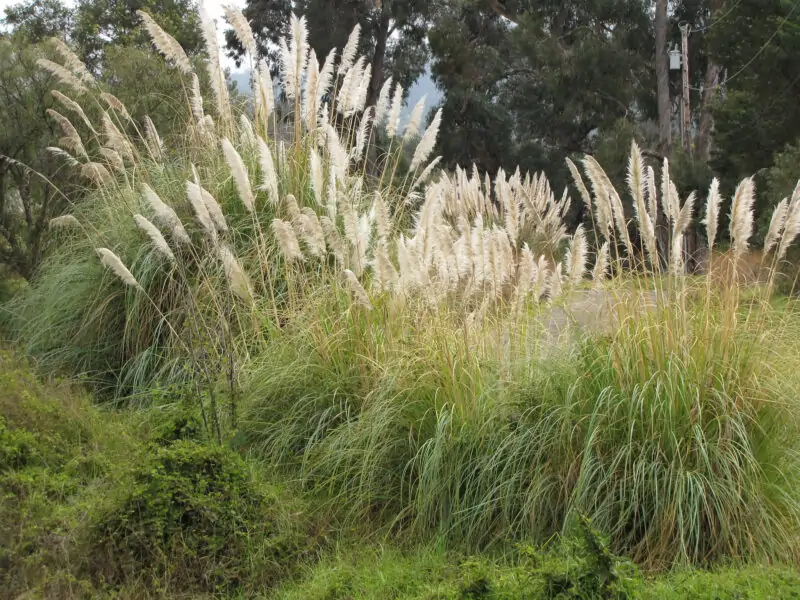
(432,350)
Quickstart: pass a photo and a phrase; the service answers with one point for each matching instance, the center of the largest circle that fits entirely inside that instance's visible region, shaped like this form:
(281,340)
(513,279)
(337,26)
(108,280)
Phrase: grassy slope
(82,491)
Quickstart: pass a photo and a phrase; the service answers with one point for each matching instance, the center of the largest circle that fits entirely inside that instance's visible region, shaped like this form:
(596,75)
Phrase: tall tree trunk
(710,87)
(662,79)
(379,57)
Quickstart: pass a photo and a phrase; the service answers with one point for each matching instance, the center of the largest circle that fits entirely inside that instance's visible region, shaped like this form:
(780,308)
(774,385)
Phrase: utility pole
(662,80)
(687,115)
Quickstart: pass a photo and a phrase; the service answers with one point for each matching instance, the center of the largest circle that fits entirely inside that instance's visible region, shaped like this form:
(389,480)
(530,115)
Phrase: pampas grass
(242,30)
(64,221)
(287,241)
(357,291)
(427,143)
(711,219)
(71,139)
(63,75)
(268,172)
(112,262)
(239,173)
(237,278)
(741,224)
(165,43)
(166,215)
(157,239)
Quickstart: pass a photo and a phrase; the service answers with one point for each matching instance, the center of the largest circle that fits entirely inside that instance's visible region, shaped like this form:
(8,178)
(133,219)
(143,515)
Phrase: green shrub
(191,515)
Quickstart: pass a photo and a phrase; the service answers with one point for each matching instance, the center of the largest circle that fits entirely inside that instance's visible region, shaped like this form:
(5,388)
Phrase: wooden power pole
(686,134)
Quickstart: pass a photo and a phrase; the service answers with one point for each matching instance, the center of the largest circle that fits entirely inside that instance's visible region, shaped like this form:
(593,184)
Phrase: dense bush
(192,517)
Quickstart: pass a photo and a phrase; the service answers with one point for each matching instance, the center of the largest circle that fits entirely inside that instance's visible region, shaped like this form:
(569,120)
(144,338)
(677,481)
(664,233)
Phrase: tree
(27,199)
(100,24)
(559,73)
(37,20)
(393,33)
(662,78)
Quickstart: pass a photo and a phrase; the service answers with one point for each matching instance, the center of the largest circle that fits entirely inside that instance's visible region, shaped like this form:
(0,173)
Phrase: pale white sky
(214,8)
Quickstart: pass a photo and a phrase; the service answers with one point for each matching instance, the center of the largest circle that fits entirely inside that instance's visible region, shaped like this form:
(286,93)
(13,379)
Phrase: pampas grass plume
(159,243)
(287,241)
(166,215)
(357,290)
(239,173)
(112,261)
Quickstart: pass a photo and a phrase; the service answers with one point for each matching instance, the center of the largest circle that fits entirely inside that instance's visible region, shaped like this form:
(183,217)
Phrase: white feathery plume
(166,215)
(361,91)
(666,201)
(237,278)
(576,256)
(197,100)
(96,173)
(741,227)
(112,158)
(214,210)
(287,241)
(428,141)
(115,139)
(159,243)
(356,289)
(346,93)
(242,29)
(357,152)
(292,208)
(382,222)
(602,203)
(317,177)
(382,106)
(112,261)
(332,203)
(554,283)
(200,210)
(71,161)
(117,105)
(423,177)
(265,96)
(776,225)
(791,227)
(339,158)
(526,271)
(64,221)
(412,128)
(619,217)
(298,49)
(215,73)
(268,172)
(63,75)
(676,254)
(386,276)
(247,135)
(70,104)
(239,173)
(165,43)
(155,145)
(310,93)
(578,180)
(311,231)
(394,112)
(325,79)
(350,49)
(712,212)
(72,139)
(652,195)
(71,60)
(601,263)
(334,240)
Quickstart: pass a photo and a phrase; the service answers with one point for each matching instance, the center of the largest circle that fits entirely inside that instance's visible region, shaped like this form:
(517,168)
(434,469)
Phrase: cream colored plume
(242,29)
(576,256)
(310,230)
(578,180)
(112,262)
(334,240)
(712,212)
(350,49)
(287,241)
(195,195)
(64,221)
(791,227)
(264,93)
(71,140)
(115,139)
(155,145)
(116,104)
(776,225)
(166,215)
(386,277)
(357,151)
(426,173)
(394,112)
(317,177)
(237,278)
(741,226)
(157,239)
(72,62)
(96,173)
(112,158)
(601,263)
(165,43)
(268,172)
(428,141)
(382,106)
(63,75)
(412,128)
(239,173)
(214,66)
(70,104)
(71,161)
(357,290)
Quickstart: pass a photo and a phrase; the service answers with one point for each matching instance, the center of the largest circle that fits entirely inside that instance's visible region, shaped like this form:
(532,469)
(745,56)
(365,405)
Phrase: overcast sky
(214,8)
